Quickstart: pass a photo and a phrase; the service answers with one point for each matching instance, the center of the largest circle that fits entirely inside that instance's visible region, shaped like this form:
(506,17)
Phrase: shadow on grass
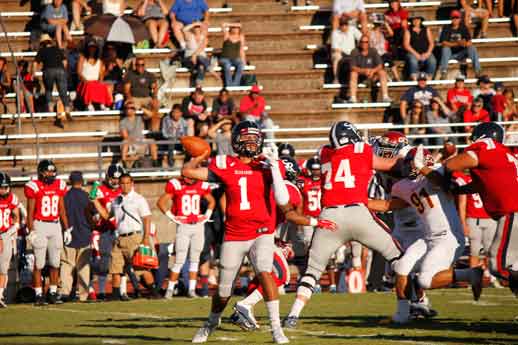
(83,336)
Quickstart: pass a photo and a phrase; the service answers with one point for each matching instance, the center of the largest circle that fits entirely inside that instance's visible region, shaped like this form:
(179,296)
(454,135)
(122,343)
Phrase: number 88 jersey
(186,197)
(46,198)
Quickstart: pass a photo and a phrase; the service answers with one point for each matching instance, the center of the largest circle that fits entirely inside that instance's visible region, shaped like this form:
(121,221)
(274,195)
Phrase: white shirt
(341,6)
(345,41)
(134,204)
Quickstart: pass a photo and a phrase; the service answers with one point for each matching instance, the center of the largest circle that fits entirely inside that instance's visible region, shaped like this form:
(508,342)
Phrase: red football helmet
(389,144)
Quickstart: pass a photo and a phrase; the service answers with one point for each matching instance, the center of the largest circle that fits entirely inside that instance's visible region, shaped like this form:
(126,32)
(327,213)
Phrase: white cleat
(247,313)
(400,318)
(279,337)
(203,333)
(2,303)
(169,294)
(192,294)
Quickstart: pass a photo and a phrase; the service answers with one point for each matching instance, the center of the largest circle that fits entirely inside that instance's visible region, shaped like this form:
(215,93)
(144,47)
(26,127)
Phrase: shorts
(482,232)
(47,244)
(123,250)
(142,102)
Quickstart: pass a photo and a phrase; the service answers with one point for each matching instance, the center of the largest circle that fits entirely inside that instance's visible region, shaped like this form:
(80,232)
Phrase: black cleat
(40,301)
(476,282)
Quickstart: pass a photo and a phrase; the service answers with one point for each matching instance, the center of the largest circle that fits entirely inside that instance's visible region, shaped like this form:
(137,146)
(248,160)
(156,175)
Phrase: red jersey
(458,97)
(396,19)
(46,198)
(346,173)
(474,204)
(106,195)
(7,205)
(186,197)
(312,193)
(250,210)
(295,200)
(482,116)
(496,176)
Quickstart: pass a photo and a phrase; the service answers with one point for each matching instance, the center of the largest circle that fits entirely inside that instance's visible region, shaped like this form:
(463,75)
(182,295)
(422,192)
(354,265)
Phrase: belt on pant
(47,221)
(343,206)
(130,233)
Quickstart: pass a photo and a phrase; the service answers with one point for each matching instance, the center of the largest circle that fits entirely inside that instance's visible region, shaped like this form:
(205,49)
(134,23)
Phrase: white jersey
(435,207)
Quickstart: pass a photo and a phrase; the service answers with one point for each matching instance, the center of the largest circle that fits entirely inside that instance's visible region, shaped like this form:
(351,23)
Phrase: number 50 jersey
(46,198)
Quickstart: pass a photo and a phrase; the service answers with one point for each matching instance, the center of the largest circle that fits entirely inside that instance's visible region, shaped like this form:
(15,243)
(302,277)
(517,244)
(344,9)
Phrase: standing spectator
(366,63)
(221,133)
(419,44)
(439,114)
(343,41)
(354,9)
(195,57)
(223,106)
(252,108)
(26,91)
(5,81)
(141,88)
(114,7)
(52,61)
(233,53)
(76,254)
(474,11)
(77,7)
(456,44)
(194,108)
(90,70)
(477,113)
(421,92)
(54,22)
(485,91)
(397,19)
(153,13)
(459,98)
(185,12)
(133,219)
(174,127)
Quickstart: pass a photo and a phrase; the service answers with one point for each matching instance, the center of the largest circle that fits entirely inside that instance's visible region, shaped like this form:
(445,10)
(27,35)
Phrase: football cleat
(244,317)
(204,332)
(54,298)
(476,282)
(192,294)
(40,300)
(169,294)
(422,308)
(332,289)
(400,318)
(2,303)
(513,282)
(125,298)
(279,337)
(290,322)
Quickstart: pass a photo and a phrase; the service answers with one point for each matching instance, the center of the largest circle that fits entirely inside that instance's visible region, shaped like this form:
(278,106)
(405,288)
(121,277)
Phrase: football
(194,146)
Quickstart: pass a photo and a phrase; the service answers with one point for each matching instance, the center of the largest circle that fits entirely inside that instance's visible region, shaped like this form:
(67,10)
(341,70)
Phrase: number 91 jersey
(46,198)
(186,197)
(346,173)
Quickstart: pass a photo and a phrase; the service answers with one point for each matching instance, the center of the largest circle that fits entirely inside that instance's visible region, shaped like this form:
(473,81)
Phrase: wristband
(170,215)
(313,221)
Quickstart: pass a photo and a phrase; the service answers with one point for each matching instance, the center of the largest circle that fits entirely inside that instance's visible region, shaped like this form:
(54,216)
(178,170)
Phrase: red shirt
(251,107)
(498,102)
(396,19)
(482,116)
(346,173)
(250,210)
(459,98)
(496,176)
(46,198)
(186,197)
(7,205)
(474,204)
(312,193)
(106,195)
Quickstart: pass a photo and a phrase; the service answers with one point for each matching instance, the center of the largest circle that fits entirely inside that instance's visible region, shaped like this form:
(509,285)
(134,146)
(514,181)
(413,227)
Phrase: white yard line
(67,310)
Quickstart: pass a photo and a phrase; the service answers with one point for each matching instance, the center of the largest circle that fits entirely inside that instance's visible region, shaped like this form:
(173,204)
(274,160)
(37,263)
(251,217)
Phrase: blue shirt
(76,203)
(51,12)
(189,11)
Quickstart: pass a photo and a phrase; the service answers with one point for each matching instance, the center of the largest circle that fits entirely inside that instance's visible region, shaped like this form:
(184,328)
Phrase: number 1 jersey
(46,197)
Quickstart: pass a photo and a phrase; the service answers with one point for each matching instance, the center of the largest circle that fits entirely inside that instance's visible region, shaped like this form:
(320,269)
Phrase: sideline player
(494,171)
(9,225)
(45,209)
(249,225)
(185,211)
(347,165)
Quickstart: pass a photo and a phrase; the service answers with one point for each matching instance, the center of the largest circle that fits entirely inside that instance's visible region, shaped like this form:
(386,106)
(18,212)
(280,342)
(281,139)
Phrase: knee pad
(225,291)
(177,268)
(425,280)
(193,267)
(307,285)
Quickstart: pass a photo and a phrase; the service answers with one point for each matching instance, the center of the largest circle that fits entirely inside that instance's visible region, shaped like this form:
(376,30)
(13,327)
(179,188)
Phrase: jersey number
(5,218)
(343,174)
(417,200)
(244,204)
(49,205)
(477,201)
(314,200)
(190,204)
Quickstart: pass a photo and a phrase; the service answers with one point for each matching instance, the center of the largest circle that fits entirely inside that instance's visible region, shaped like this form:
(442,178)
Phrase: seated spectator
(419,43)
(439,113)
(510,112)
(153,13)
(421,92)
(174,126)
(485,91)
(514,18)
(476,113)
(195,57)
(186,12)
(397,19)
(221,133)
(252,108)
(223,107)
(54,20)
(131,127)
(354,9)
(78,6)
(141,88)
(5,82)
(26,91)
(416,116)
(379,33)
(367,64)
(90,70)
(114,7)
(113,66)
(51,61)
(233,53)
(456,44)
(472,11)
(459,98)
(343,41)
(194,108)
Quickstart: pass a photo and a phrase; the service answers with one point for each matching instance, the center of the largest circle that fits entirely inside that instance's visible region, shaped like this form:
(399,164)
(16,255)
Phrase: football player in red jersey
(45,209)
(311,188)
(9,225)
(347,165)
(249,224)
(494,171)
(185,211)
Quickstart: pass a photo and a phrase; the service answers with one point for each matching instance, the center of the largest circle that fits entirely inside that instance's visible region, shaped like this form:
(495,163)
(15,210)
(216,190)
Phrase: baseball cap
(421,76)
(255,89)
(483,79)
(76,176)
(499,85)
(455,14)
(460,77)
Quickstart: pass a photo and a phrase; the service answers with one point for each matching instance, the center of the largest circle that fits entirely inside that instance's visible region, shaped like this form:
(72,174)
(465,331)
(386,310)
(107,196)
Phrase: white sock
(214,317)
(297,307)
(1,293)
(171,285)
(463,275)
(252,299)
(53,288)
(38,291)
(273,313)
(192,284)
(403,306)
(124,285)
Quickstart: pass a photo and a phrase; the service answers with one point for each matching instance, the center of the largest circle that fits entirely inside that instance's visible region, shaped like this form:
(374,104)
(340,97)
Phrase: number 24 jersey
(46,198)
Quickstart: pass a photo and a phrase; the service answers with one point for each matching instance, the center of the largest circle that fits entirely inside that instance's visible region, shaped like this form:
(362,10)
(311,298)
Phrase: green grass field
(329,319)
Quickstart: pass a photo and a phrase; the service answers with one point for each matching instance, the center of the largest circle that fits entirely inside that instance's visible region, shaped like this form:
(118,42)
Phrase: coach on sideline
(133,219)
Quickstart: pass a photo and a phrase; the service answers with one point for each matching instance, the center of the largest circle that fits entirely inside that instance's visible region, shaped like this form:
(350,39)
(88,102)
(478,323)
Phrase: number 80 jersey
(186,197)
(346,173)
(46,198)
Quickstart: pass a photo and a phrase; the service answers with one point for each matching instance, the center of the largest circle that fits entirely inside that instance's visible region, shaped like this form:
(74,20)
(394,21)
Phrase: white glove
(419,158)
(67,236)
(172,218)
(271,153)
(170,249)
(206,217)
